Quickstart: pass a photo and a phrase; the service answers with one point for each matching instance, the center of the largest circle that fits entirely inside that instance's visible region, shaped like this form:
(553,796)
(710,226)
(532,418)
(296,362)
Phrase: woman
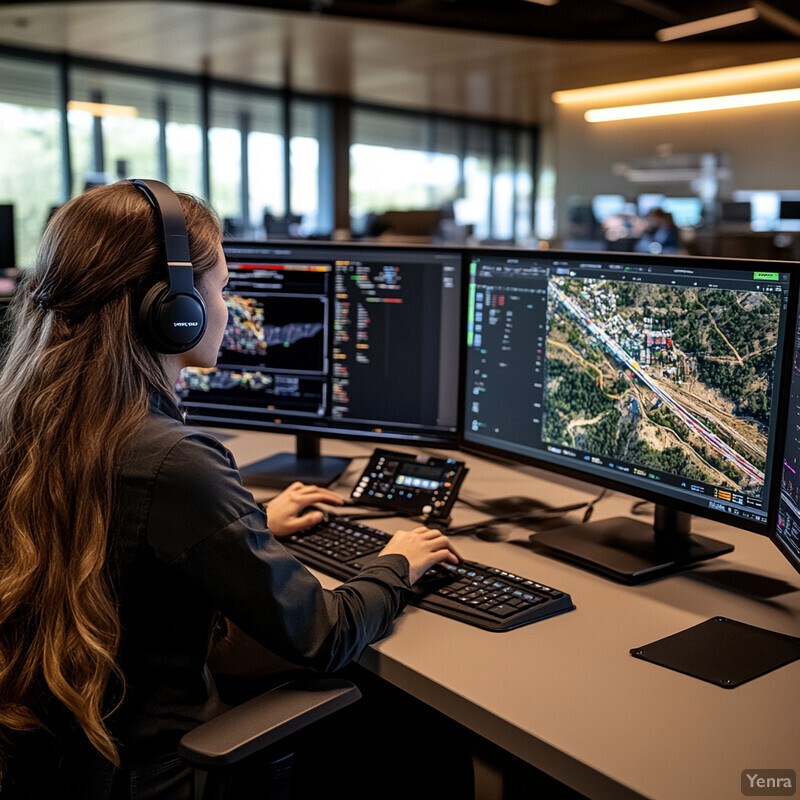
(124,533)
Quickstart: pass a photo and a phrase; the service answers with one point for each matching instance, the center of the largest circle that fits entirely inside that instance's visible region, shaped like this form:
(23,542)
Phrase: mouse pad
(722,651)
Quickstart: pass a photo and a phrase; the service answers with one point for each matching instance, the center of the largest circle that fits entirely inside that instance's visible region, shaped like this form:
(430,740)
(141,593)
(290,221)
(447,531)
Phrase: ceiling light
(102,109)
(543,2)
(707,24)
(692,106)
(730,78)
(774,16)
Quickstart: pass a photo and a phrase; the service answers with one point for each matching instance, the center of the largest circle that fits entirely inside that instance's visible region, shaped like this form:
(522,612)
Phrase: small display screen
(421,476)
(409,484)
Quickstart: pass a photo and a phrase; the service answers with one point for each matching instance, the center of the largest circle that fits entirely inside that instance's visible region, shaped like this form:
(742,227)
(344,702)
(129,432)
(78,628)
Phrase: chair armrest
(261,722)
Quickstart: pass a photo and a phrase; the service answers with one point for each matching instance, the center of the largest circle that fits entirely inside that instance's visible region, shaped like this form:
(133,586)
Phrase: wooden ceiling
(410,64)
(587,20)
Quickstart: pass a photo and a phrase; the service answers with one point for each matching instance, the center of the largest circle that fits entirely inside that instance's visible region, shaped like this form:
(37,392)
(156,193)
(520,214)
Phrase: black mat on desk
(722,651)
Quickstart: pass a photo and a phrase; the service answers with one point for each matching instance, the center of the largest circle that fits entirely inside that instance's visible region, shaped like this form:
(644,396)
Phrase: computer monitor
(790,209)
(8,259)
(607,205)
(647,202)
(784,521)
(735,211)
(652,375)
(687,212)
(335,340)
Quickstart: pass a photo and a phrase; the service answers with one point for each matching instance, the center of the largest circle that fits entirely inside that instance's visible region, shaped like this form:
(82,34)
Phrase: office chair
(255,734)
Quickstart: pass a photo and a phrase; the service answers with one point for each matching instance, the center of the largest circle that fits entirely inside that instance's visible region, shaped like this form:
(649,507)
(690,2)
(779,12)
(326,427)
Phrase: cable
(516,517)
(640,508)
(482,505)
(590,506)
(477,506)
(530,515)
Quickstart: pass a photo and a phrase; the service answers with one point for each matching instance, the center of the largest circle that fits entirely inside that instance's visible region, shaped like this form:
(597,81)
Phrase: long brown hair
(74,388)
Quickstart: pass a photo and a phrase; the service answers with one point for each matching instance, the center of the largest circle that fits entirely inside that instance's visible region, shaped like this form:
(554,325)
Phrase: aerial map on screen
(675,379)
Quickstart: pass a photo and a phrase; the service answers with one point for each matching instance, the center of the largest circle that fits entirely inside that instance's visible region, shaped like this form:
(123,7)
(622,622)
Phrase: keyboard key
(502,610)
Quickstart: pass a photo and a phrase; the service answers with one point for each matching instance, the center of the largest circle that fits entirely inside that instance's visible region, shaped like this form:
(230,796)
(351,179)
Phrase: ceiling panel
(407,65)
(620,20)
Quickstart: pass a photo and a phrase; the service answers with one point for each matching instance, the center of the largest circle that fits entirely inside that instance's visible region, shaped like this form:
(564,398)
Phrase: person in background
(660,234)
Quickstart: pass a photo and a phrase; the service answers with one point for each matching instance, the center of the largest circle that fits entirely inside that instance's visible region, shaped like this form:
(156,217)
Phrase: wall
(761,144)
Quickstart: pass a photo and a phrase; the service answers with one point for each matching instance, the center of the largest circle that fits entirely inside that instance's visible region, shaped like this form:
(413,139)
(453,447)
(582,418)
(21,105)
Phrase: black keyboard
(487,597)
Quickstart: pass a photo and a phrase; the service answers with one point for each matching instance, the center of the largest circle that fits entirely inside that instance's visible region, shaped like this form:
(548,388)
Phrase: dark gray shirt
(191,543)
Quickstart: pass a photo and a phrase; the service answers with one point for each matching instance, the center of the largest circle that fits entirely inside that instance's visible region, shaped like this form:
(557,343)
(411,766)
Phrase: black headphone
(172,315)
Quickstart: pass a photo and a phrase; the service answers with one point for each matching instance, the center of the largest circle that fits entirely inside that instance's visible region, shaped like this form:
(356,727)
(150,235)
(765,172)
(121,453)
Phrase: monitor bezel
(593,479)
(447,440)
(782,406)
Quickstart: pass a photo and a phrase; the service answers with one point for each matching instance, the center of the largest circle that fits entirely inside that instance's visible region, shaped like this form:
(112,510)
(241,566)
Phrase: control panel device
(409,484)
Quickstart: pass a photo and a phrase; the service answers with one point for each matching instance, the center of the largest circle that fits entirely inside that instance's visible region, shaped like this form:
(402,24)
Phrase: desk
(564,694)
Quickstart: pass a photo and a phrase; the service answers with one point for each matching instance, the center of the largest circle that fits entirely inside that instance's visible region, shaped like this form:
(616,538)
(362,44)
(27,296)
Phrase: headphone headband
(173,232)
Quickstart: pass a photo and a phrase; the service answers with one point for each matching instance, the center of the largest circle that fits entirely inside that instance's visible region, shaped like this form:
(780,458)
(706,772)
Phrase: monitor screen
(647,202)
(784,526)
(607,205)
(790,209)
(327,340)
(735,211)
(653,375)
(687,212)
(7,250)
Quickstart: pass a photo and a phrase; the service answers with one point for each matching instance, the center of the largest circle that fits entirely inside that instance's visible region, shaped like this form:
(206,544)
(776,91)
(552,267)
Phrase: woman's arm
(204,523)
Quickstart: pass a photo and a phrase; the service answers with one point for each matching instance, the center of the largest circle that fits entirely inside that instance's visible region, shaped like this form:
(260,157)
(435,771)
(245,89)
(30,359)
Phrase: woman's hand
(423,547)
(285,512)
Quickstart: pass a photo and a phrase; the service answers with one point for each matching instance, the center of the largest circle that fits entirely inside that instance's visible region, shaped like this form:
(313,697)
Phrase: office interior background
(444,120)
(460,121)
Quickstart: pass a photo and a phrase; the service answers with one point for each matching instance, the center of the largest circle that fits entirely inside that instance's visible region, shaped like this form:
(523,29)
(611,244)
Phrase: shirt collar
(162,404)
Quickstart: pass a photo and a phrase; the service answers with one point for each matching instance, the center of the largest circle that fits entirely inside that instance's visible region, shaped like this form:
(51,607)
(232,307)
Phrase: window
(30,130)
(478,180)
(184,138)
(124,126)
(263,152)
(309,125)
(475,173)
(395,163)
(523,186)
(246,148)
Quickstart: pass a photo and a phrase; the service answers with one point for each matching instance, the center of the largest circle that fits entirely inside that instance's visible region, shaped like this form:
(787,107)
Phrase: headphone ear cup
(172,323)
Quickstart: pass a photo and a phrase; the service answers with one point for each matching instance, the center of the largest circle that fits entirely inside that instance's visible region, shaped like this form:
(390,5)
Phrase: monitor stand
(305,465)
(631,551)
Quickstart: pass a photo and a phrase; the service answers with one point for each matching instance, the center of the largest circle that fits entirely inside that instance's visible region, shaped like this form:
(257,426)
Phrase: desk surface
(564,694)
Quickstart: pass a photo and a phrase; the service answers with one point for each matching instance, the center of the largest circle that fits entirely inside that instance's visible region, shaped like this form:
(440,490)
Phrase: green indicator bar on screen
(765,276)
(471,315)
